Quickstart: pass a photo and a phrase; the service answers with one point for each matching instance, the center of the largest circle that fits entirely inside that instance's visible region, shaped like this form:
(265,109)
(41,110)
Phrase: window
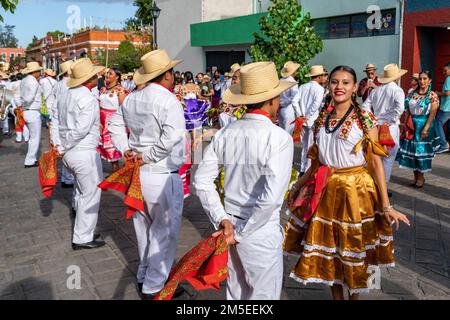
(11,57)
(355,25)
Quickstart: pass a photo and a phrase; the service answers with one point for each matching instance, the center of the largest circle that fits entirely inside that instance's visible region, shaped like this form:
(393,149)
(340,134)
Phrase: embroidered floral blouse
(110,99)
(337,149)
(419,107)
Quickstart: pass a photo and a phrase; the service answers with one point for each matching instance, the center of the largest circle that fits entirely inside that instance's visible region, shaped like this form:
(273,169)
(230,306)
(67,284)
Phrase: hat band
(259,92)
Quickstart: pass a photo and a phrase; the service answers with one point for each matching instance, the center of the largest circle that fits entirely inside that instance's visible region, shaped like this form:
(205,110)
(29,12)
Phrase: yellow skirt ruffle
(347,233)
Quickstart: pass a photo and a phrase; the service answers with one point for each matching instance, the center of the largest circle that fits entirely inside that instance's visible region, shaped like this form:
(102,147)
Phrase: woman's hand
(424,133)
(227,228)
(393,216)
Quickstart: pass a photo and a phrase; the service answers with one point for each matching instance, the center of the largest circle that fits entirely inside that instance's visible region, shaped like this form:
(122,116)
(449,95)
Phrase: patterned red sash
(20,120)
(48,174)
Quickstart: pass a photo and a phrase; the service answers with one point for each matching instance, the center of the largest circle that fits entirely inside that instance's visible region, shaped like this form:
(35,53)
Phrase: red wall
(411,41)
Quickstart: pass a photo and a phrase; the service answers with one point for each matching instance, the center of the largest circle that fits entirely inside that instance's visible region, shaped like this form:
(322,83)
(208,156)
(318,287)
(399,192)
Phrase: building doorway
(222,60)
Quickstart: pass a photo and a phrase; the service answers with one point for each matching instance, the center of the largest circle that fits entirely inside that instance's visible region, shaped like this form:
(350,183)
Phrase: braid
(321,118)
(359,113)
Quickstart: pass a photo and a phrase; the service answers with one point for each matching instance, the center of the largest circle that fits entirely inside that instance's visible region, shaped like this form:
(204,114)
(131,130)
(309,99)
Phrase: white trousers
(388,162)
(5,125)
(86,166)
(33,121)
(255,265)
(157,229)
(285,117)
(307,140)
(66,176)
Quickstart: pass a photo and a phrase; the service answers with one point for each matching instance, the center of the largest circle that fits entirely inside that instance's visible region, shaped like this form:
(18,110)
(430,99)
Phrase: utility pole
(107,42)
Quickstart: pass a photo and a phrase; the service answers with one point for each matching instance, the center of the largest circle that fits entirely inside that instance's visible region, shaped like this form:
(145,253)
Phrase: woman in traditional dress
(340,215)
(111,97)
(417,154)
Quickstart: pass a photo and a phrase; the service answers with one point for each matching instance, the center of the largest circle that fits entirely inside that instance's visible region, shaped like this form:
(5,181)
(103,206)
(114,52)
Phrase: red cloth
(297,129)
(20,120)
(48,174)
(406,126)
(311,192)
(204,267)
(127,181)
(385,137)
(261,112)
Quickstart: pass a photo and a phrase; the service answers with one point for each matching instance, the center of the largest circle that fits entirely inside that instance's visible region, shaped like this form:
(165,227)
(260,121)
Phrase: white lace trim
(353,264)
(291,254)
(387,265)
(330,283)
(345,224)
(386,238)
(357,255)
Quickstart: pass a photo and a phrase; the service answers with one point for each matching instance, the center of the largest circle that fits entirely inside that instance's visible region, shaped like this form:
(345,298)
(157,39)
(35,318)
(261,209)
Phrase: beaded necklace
(341,122)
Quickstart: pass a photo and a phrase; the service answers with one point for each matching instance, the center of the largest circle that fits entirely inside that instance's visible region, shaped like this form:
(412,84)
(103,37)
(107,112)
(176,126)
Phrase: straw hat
(226,74)
(154,64)
(32,67)
(82,70)
(50,72)
(259,83)
(289,68)
(3,76)
(65,67)
(235,67)
(370,66)
(391,73)
(316,71)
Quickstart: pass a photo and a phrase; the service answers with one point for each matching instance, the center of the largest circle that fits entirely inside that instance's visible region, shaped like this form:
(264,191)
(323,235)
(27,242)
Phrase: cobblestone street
(35,240)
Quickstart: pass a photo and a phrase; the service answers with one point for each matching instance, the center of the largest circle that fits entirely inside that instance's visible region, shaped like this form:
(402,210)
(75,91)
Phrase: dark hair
(188,76)
(258,105)
(355,103)
(161,77)
(427,73)
(13,78)
(447,65)
(20,76)
(118,74)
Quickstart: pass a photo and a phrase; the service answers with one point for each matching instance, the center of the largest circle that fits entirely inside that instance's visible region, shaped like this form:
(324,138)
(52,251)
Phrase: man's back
(386,102)
(309,99)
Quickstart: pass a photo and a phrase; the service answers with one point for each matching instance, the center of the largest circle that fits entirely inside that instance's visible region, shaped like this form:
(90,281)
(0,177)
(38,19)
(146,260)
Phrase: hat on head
(391,73)
(32,67)
(50,72)
(289,68)
(3,76)
(65,67)
(316,71)
(226,74)
(154,64)
(259,83)
(206,76)
(370,66)
(235,67)
(82,70)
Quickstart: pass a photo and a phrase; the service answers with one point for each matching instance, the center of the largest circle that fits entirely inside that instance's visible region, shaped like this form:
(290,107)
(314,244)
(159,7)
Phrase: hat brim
(140,77)
(393,78)
(310,75)
(62,73)
(28,71)
(286,73)
(233,94)
(72,82)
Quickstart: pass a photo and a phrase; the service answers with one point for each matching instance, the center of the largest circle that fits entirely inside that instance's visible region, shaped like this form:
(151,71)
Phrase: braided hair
(323,112)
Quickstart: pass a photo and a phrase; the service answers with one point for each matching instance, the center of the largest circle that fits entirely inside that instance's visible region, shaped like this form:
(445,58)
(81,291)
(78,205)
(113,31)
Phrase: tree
(8,5)
(287,34)
(126,58)
(55,34)
(143,12)
(34,43)
(132,24)
(7,37)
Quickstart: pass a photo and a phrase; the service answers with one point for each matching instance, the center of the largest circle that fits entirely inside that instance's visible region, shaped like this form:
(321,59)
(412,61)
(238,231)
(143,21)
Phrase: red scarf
(48,174)
(127,181)
(261,112)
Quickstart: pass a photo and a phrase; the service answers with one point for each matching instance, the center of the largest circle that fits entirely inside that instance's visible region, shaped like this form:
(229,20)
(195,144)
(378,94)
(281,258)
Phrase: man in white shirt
(388,103)
(257,158)
(76,135)
(48,84)
(6,83)
(308,102)
(287,114)
(31,100)
(67,179)
(155,119)
(128,83)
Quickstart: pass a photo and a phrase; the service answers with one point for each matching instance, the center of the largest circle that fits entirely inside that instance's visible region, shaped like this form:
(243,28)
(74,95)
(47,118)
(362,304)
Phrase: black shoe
(66,185)
(74,212)
(147,296)
(139,286)
(90,245)
(389,194)
(97,236)
(178,292)
(32,166)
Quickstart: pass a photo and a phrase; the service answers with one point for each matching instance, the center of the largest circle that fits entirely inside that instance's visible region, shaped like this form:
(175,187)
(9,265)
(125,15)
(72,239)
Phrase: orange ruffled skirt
(347,233)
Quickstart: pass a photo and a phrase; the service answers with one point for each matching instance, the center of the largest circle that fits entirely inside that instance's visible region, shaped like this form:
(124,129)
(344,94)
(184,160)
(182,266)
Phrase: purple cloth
(195,113)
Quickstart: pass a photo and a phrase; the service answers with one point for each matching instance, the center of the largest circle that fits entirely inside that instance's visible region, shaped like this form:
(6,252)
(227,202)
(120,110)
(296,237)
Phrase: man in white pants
(31,98)
(257,157)
(77,134)
(388,103)
(309,101)
(155,119)
(287,113)
(67,179)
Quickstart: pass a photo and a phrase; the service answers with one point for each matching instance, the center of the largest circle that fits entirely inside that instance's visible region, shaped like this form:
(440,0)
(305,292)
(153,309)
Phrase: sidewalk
(35,240)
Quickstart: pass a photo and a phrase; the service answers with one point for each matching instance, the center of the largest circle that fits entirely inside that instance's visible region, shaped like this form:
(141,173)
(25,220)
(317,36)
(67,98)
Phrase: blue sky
(36,17)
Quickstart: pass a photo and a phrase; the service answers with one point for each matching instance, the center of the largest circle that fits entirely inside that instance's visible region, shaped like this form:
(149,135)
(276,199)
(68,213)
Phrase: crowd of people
(340,215)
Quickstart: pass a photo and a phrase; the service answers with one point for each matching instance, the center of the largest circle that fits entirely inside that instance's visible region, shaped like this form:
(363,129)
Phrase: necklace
(341,122)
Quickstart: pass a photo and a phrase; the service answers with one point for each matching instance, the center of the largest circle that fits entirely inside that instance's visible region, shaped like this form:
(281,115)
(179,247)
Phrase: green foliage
(55,34)
(34,43)
(287,34)
(8,5)
(143,12)
(127,58)
(7,37)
